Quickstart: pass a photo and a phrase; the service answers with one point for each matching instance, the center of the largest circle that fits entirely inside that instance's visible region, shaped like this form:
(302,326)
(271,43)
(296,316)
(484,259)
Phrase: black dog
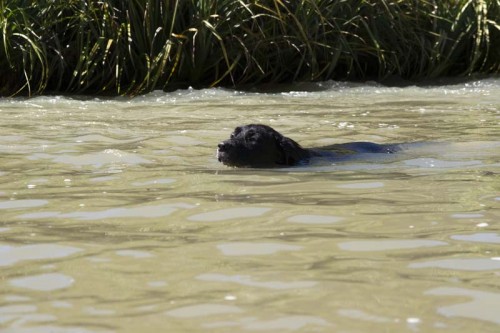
(260,146)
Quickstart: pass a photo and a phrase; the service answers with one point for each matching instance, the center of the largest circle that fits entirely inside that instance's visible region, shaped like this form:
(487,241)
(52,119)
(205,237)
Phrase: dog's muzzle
(222,148)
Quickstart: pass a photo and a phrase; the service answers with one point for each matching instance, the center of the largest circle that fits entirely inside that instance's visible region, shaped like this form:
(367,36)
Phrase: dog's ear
(290,151)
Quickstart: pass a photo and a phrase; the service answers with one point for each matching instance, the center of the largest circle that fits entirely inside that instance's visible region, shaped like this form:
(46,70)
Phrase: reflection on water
(461,264)
(147,211)
(484,237)
(252,249)
(201,310)
(314,219)
(43,282)
(386,245)
(248,281)
(10,255)
(229,214)
(117,217)
(17,204)
(285,323)
(134,254)
(484,305)
(97,160)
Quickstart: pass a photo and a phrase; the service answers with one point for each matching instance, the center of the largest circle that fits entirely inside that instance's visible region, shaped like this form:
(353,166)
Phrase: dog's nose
(222,146)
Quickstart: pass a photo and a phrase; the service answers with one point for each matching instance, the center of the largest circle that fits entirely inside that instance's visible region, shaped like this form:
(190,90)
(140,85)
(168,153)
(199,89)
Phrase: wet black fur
(260,146)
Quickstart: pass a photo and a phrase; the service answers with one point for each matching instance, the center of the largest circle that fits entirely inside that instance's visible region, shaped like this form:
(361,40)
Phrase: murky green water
(115,215)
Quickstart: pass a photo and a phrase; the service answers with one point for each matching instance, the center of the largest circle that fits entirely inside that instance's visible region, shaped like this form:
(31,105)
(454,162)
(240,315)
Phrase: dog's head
(259,146)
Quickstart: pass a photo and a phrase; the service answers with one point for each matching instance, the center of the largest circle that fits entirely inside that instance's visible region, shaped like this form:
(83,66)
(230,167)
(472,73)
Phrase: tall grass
(135,46)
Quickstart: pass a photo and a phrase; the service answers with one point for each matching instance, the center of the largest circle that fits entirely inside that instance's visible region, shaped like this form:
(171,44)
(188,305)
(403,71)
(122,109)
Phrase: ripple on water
(97,160)
(229,214)
(21,308)
(467,216)
(361,315)
(134,254)
(147,211)
(103,179)
(157,284)
(439,164)
(255,249)
(202,310)
(61,304)
(43,282)
(246,280)
(16,298)
(484,305)
(10,255)
(98,138)
(362,185)
(285,323)
(161,181)
(20,315)
(469,264)
(90,310)
(386,245)
(314,219)
(19,204)
(183,140)
(485,237)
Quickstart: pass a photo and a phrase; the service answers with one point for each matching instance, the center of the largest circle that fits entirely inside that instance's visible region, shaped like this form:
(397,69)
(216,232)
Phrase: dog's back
(358,148)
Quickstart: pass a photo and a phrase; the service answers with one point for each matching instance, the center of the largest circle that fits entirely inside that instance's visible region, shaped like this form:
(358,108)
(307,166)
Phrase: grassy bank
(132,47)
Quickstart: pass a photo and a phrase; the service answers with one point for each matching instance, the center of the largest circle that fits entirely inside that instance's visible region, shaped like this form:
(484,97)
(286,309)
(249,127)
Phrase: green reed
(132,47)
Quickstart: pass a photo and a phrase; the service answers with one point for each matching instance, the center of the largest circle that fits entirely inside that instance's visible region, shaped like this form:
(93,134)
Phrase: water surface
(115,215)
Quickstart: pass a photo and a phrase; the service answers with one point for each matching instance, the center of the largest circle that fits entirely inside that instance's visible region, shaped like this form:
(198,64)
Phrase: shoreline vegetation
(132,47)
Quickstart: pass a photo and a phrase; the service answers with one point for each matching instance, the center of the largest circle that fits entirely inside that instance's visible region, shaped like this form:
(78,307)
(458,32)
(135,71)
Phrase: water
(115,215)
